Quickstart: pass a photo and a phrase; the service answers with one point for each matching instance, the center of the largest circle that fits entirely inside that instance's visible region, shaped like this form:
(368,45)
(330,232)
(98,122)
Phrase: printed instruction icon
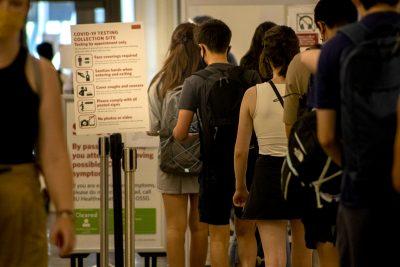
(86,106)
(87,121)
(84,76)
(85,90)
(83,61)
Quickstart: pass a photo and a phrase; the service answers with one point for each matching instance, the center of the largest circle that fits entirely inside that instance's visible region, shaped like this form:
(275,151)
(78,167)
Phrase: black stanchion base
(77,259)
(153,256)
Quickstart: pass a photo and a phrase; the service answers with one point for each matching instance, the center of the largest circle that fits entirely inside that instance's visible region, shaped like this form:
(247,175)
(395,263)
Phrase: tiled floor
(55,261)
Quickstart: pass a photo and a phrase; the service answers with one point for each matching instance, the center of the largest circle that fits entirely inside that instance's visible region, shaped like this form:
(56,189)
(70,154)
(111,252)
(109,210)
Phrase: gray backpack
(175,157)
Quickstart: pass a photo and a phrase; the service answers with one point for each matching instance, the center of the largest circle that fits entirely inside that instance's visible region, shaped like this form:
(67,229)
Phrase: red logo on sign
(136,27)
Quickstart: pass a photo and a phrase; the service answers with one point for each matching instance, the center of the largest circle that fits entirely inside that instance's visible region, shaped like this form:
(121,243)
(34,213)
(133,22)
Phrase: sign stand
(104,152)
(116,156)
(129,165)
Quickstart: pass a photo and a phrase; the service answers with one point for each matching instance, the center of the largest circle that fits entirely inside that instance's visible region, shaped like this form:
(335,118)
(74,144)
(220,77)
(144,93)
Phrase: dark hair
(280,46)
(251,59)
(215,34)
(45,50)
(201,19)
(335,13)
(182,60)
(370,3)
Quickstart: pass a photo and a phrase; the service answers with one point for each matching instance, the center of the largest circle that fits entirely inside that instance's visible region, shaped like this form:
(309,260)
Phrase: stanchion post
(116,156)
(104,153)
(129,165)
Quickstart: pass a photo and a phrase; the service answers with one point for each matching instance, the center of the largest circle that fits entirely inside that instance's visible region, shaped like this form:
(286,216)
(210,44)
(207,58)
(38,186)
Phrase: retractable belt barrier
(128,155)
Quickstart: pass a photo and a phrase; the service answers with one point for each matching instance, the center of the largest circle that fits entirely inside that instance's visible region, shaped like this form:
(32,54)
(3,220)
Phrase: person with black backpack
(357,85)
(318,215)
(396,161)
(215,94)
(179,163)
(262,110)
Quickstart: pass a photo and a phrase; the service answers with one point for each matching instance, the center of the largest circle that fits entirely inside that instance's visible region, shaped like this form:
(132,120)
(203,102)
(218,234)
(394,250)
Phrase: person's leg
(247,243)
(176,219)
(219,245)
(199,234)
(328,255)
(301,255)
(273,237)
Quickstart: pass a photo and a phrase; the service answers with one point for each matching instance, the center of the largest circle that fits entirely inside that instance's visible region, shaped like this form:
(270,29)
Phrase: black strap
(204,74)
(276,92)
(37,73)
(356,32)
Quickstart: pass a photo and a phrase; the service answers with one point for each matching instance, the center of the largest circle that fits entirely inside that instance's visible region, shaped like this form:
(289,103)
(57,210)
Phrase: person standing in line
(396,161)
(202,92)
(33,142)
(356,126)
(246,230)
(198,20)
(178,190)
(319,223)
(259,111)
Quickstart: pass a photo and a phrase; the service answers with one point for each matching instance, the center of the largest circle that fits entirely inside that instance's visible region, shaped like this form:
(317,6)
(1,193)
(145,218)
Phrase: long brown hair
(182,59)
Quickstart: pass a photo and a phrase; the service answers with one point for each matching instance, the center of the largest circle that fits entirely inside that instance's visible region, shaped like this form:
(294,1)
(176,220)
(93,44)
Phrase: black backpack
(309,176)
(370,82)
(220,101)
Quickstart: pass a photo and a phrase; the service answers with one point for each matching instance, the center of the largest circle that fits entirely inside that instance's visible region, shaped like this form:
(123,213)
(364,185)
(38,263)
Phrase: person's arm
(310,59)
(396,159)
(297,77)
(326,131)
(155,109)
(54,160)
(181,130)
(243,138)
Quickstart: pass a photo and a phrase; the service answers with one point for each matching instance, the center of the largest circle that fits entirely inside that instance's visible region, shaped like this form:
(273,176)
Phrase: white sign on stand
(149,219)
(109,73)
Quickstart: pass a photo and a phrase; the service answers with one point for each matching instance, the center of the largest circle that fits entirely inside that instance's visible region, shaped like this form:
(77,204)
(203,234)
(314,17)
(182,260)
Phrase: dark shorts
(216,197)
(320,225)
(266,200)
(369,237)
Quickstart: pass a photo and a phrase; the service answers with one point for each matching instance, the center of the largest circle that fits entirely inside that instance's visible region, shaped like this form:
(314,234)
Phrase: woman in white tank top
(262,110)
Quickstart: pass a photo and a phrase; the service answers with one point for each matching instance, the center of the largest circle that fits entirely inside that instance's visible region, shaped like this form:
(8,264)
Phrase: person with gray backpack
(179,162)
(357,85)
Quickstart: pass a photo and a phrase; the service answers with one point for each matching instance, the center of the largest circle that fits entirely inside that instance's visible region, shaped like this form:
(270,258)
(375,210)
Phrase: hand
(63,235)
(240,197)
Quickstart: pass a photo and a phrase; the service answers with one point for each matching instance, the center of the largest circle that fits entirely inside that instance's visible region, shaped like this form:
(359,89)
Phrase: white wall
(242,16)
(242,20)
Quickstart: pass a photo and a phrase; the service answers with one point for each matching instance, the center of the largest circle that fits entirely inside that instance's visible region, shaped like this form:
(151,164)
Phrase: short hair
(198,20)
(280,46)
(370,3)
(335,13)
(215,34)
(45,50)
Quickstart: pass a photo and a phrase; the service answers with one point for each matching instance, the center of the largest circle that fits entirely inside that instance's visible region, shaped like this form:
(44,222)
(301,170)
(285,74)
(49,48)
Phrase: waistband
(269,157)
(6,169)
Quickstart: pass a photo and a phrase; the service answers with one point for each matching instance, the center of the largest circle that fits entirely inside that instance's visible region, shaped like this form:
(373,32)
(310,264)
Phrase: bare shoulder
(250,99)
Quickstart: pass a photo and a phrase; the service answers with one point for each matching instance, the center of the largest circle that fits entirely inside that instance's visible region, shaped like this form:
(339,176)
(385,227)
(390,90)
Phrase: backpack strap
(204,74)
(356,32)
(276,92)
(35,63)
